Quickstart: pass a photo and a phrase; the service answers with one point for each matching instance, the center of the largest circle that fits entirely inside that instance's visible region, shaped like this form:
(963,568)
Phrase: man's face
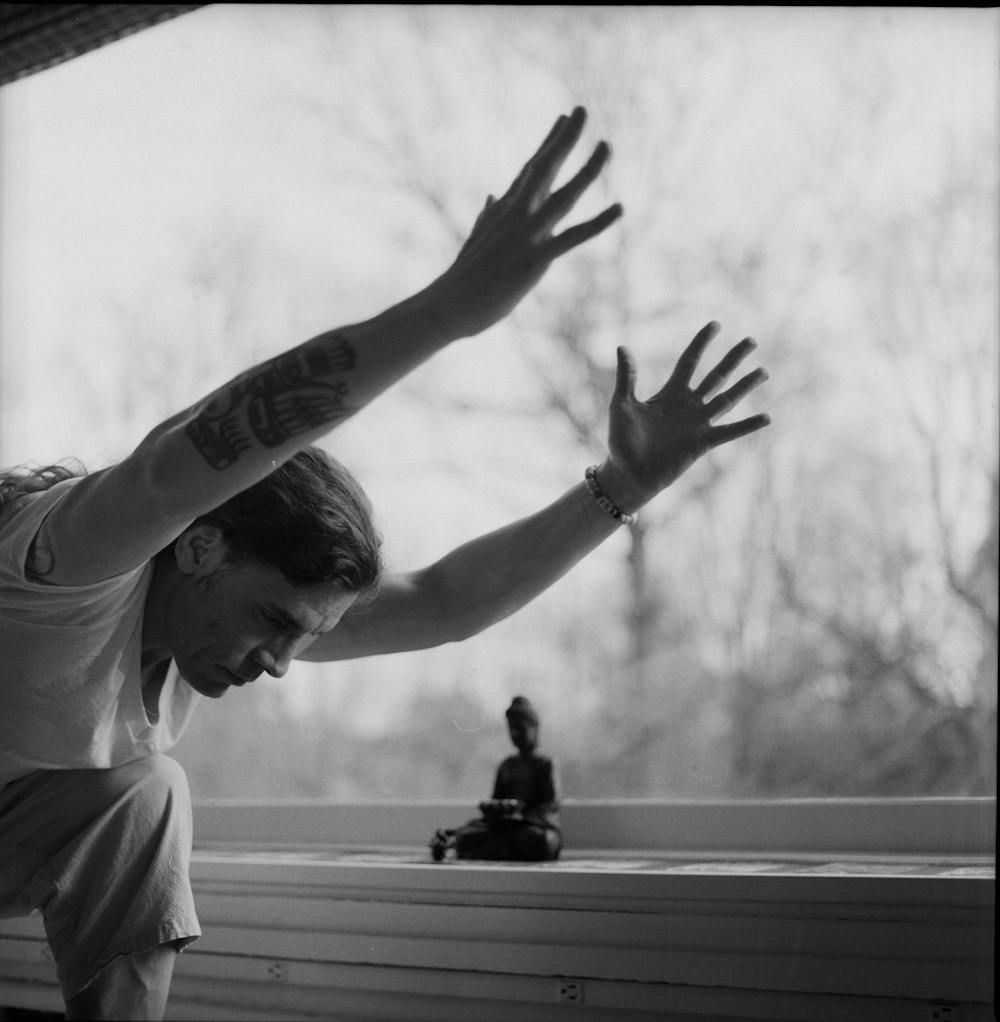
(230,625)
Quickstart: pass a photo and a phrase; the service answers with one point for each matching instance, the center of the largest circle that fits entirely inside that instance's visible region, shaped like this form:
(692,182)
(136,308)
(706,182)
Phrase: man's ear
(200,550)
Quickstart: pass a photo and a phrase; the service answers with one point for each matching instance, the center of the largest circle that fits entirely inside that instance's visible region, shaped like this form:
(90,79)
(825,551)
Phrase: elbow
(472,618)
(466,626)
(461,621)
(157,478)
(460,611)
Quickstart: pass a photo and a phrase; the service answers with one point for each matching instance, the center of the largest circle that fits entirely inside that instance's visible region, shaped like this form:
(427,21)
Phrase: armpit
(40,560)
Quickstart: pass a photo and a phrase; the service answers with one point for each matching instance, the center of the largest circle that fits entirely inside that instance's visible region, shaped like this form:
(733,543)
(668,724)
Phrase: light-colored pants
(105,856)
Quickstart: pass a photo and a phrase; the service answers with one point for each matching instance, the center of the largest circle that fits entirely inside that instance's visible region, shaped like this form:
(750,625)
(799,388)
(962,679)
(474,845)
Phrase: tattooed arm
(116,519)
(276,402)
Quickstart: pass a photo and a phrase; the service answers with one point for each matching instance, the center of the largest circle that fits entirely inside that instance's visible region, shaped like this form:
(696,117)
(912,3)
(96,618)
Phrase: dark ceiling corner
(34,37)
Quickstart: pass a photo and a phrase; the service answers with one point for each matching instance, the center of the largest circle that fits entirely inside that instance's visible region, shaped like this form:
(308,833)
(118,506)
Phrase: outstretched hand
(512,242)
(652,443)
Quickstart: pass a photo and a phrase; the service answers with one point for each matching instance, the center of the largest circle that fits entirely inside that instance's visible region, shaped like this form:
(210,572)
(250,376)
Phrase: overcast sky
(115,160)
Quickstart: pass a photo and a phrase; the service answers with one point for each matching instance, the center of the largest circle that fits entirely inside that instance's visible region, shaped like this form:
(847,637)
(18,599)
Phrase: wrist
(440,306)
(604,502)
(619,488)
(423,317)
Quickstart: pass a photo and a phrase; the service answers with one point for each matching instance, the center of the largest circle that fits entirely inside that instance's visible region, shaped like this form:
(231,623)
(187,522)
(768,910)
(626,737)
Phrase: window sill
(336,911)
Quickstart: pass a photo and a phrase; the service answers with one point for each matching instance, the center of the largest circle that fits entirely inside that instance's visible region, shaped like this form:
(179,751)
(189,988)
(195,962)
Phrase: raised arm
(650,444)
(120,517)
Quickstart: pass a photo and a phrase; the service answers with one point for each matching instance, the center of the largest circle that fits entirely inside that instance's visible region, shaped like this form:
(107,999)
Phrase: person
(226,544)
(520,821)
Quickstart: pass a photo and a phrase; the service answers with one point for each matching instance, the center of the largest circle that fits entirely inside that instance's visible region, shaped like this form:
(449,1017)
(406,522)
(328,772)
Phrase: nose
(275,658)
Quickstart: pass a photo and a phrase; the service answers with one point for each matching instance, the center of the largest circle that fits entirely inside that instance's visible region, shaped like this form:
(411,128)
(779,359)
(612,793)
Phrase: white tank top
(70,663)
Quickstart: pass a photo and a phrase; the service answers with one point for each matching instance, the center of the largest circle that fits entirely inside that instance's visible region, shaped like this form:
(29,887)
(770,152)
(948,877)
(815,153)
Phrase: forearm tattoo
(274,402)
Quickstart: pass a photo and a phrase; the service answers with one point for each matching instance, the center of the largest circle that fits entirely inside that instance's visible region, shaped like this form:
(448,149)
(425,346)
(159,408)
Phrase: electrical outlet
(942,1012)
(569,992)
(277,972)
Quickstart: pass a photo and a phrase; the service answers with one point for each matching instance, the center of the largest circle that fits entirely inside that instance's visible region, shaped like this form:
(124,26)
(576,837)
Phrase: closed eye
(285,625)
(281,624)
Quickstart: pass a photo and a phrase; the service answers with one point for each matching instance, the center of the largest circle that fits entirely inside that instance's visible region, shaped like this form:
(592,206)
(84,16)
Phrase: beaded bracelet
(604,502)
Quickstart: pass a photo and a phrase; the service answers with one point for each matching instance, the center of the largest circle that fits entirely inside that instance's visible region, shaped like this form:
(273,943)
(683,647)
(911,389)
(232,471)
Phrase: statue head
(522,723)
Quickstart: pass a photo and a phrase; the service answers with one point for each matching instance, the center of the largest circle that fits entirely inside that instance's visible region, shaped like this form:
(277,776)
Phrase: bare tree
(825,625)
(670,114)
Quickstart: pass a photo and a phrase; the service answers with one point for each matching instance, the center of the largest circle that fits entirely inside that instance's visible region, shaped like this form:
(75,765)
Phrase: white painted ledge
(798,910)
(939,826)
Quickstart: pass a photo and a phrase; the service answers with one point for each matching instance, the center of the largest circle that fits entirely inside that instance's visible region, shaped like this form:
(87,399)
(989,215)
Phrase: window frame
(929,826)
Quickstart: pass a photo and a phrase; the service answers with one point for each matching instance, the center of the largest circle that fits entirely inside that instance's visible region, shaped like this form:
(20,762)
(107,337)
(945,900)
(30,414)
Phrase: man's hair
(310,519)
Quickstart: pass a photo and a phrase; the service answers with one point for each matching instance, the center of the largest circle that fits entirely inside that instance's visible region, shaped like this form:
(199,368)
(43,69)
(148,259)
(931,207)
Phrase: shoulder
(26,555)
(21,522)
(18,504)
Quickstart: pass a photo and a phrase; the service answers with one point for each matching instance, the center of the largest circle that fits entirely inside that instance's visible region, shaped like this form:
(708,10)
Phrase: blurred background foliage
(812,611)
